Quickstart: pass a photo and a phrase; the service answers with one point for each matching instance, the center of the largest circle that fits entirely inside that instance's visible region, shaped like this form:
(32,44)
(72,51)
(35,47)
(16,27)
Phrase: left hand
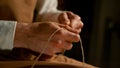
(71,19)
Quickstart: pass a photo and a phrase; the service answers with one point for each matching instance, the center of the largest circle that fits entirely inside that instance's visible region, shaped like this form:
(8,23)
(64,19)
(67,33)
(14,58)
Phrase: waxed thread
(44,48)
(82,50)
(36,60)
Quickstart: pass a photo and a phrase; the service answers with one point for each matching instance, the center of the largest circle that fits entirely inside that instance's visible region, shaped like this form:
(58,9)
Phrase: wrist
(21,35)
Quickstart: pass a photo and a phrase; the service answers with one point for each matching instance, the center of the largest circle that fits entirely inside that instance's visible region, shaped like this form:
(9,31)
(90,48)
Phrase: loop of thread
(44,47)
(83,58)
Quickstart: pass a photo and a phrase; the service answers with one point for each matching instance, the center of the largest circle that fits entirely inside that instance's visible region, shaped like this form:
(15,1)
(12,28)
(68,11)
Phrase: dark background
(101,31)
(84,9)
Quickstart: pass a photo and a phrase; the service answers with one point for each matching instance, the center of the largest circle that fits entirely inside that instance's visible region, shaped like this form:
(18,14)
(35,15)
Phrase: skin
(71,19)
(34,36)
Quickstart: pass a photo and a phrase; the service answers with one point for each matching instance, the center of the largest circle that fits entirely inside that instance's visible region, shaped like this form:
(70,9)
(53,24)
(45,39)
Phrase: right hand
(35,37)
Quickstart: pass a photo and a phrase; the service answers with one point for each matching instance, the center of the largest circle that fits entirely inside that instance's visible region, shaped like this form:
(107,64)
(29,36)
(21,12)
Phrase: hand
(71,19)
(35,36)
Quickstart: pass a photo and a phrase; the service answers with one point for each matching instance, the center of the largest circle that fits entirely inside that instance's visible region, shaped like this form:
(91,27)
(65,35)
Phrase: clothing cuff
(7,32)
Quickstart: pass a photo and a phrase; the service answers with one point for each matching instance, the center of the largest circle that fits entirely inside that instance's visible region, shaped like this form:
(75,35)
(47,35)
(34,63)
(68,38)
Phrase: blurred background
(101,31)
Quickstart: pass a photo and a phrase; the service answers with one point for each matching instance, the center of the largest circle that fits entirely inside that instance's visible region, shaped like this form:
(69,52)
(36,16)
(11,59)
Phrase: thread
(83,58)
(44,47)
(82,50)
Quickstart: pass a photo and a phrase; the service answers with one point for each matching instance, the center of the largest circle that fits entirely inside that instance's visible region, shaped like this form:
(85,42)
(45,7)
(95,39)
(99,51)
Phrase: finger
(63,19)
(81,24)
(52,49)
(68,28)
(76,22)
(62,44)
(67,45)
(76,25)
(68,36)
(71,15)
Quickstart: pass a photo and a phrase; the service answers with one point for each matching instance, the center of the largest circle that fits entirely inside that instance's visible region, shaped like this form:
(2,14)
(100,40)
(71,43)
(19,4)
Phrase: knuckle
(61,15)
(57,43)
(60,32)
(81,24)
(79,30)
(77,17)
(69,47)
(77,38)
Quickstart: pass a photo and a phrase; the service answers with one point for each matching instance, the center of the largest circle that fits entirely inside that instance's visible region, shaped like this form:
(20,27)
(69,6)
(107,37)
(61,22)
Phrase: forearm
(7,31)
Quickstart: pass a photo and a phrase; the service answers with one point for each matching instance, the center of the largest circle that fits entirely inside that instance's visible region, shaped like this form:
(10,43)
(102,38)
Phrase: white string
(82,50)
(44,48)
(83,57)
